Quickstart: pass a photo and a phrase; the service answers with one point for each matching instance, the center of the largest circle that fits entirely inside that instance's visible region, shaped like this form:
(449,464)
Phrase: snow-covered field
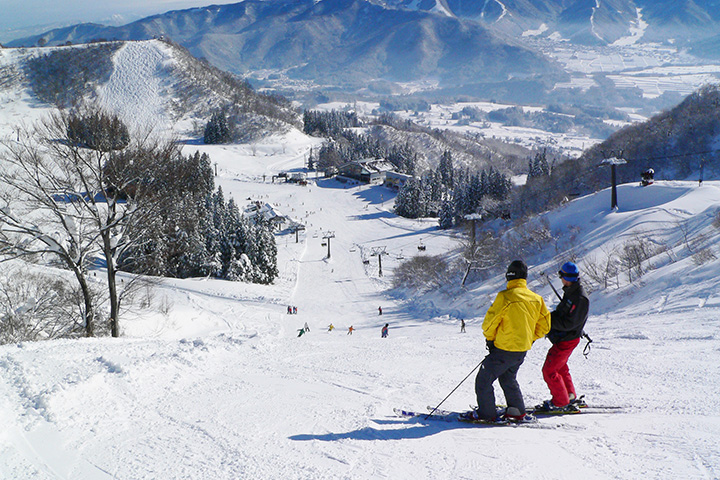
(654,69)
(221,386)
(213,382)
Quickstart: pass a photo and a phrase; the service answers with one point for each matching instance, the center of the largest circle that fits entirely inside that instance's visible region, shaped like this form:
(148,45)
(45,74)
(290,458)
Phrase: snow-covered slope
(135,88)
(152,85)
(212,381)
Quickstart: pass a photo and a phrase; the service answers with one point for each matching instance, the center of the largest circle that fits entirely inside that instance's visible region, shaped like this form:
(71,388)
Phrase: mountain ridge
(157,83)
(340,42)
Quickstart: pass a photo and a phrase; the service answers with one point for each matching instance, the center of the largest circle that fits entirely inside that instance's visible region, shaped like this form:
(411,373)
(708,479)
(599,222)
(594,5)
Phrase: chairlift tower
(379,252)
(296,230)
(327,236)
(473,218)
(613,161)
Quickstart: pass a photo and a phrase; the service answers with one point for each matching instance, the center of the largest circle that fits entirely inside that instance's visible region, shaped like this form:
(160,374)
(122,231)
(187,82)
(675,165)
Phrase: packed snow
(135,88)
(212,380)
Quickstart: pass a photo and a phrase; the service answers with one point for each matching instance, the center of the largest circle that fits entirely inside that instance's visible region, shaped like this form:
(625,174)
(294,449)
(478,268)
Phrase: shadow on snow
(412,428)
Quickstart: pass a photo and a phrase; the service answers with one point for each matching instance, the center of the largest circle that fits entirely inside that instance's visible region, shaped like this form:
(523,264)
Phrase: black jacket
(568,319)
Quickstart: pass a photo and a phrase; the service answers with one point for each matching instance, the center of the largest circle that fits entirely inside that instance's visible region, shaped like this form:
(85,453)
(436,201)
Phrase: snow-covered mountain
(520,51)
(348,42)
(596,22)
(150,84)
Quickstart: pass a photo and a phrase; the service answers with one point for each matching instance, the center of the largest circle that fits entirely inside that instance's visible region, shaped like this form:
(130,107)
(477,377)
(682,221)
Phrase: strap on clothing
(586,350)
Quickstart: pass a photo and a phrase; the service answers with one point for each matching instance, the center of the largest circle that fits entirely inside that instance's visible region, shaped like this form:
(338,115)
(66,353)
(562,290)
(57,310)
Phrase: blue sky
(24,17)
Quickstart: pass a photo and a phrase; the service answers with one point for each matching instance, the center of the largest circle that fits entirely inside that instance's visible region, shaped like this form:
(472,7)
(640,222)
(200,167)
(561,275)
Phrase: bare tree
(601,271)
(40,307)
(633,254)
(59,199)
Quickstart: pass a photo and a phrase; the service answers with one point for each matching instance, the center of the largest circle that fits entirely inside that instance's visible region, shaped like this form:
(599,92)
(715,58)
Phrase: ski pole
(551,285)
(453,391)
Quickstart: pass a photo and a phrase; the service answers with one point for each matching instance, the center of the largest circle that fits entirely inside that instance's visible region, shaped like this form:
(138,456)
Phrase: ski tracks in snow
(135,88)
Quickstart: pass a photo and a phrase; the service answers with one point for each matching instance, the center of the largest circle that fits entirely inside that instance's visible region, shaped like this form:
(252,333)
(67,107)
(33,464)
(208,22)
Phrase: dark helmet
(517,269)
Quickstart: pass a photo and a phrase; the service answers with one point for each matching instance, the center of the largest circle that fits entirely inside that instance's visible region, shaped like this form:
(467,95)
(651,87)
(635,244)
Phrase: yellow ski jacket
(516,318)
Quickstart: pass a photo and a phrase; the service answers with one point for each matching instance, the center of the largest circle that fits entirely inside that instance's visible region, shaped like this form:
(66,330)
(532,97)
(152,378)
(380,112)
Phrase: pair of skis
(451,416)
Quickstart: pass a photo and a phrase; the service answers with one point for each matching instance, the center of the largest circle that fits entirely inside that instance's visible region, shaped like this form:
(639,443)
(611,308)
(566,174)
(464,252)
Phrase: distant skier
(289,311)
(566,328)
(307,328)
(385,330)
(462,325)
(294,310)
(350,330)
(379,310)
(301,332)
(331,327)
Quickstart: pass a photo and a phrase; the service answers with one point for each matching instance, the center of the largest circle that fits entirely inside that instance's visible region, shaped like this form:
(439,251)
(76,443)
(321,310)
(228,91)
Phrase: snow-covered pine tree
(446,169)
(407,202)
(403,157)
(446,214)
(217,129)
(95,129)
(539,166)
(265,254)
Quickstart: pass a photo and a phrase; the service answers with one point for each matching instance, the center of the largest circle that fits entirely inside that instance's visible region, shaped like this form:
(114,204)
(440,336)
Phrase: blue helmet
(569,272)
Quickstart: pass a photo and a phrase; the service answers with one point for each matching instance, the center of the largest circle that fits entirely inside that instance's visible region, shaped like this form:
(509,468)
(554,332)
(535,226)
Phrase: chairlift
(421,247)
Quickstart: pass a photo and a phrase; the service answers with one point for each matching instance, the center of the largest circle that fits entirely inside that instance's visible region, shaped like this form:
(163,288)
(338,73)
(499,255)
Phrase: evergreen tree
(446,169)
(447,215)
(539,166)
(403,158)
(409,202)
(264,254)
(328,124)
(311,161)
(198,233)
(217,129)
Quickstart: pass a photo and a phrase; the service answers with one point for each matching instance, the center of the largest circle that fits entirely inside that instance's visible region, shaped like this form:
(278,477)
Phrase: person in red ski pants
(566,327)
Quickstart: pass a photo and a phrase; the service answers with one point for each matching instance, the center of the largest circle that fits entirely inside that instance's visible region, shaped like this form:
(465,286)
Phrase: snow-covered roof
(264,210)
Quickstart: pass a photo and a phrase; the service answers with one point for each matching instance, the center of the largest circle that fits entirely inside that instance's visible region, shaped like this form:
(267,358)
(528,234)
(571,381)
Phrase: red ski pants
(557,374)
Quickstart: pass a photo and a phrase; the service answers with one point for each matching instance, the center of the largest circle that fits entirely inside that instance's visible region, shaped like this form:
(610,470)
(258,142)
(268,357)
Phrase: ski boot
(578,401)
(514,415)
(548,407)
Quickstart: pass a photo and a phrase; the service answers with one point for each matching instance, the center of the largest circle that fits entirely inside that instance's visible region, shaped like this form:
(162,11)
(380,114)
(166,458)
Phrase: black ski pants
(503,366)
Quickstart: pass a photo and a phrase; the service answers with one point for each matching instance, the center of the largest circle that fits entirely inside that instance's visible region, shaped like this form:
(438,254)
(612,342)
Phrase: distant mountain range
(338,42)
(586,21)
(458,45)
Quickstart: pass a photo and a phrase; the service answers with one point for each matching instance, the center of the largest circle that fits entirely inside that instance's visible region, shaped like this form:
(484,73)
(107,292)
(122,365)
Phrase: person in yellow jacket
(515,320)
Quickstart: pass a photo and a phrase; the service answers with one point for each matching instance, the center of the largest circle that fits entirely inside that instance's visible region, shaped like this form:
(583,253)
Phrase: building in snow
(367,170)
(258,210)
(396,180)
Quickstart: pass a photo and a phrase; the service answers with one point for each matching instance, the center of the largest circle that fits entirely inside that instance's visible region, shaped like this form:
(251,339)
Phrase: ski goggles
(562,274)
